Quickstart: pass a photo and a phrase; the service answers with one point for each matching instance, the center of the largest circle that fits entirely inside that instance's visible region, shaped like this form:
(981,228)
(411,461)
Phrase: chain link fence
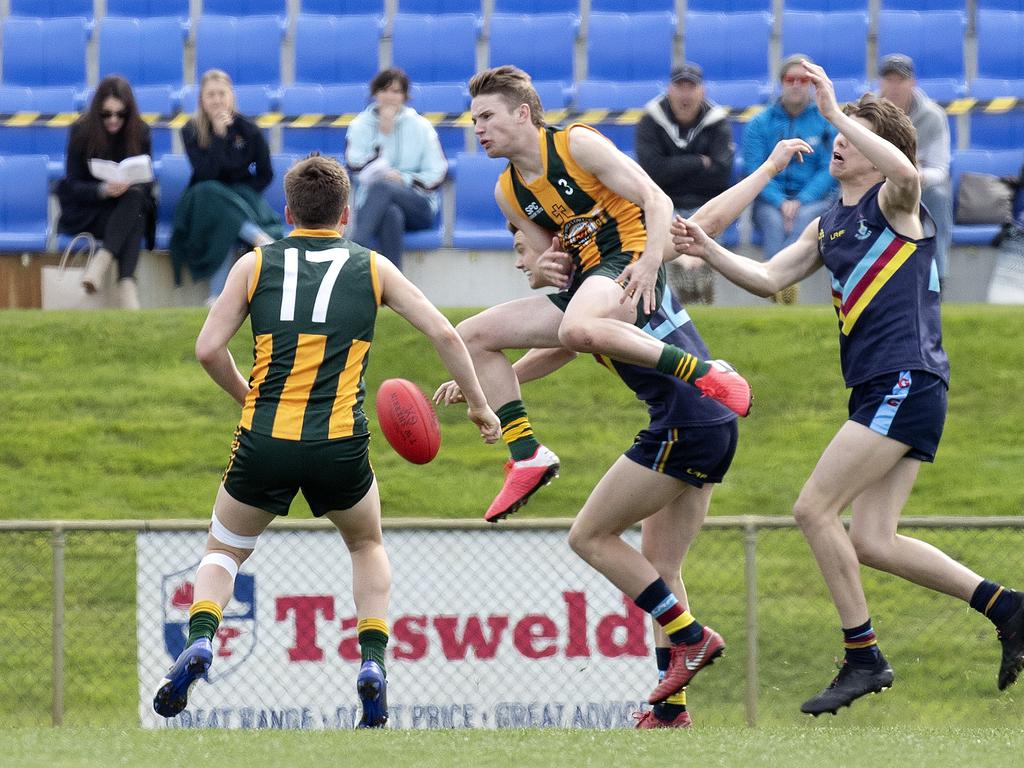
(491,627)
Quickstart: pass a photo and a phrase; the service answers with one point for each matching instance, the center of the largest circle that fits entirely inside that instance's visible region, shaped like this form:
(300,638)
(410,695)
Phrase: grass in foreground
(814,746)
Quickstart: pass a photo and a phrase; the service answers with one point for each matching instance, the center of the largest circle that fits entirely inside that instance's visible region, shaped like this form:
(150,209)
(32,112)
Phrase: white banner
(492,629)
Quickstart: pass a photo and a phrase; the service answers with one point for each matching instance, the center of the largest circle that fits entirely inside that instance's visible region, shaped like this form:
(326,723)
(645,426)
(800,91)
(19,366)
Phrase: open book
(137,169)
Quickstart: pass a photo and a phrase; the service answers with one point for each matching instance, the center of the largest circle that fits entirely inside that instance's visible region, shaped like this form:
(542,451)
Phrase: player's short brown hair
(888,121)
(513,85)
(316,190)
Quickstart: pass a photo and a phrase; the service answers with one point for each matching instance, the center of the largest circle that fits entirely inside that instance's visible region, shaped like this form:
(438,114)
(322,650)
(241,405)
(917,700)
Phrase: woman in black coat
(116,213)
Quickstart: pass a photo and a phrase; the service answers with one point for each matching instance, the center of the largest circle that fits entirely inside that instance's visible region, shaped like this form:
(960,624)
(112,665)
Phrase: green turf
(709,747)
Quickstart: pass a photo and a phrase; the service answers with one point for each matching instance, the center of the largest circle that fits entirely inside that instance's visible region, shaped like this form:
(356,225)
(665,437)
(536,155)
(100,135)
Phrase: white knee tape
(223,535)
(222,560)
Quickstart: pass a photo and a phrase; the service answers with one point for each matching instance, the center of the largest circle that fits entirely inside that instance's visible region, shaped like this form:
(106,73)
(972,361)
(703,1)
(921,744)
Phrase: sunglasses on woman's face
(106,114)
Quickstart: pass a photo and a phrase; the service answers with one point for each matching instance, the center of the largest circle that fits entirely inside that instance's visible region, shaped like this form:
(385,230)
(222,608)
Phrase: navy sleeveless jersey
(671,402)
(885,289)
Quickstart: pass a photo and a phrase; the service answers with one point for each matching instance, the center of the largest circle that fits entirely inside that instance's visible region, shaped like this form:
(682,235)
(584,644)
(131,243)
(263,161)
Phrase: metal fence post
(750,574)
(57,542)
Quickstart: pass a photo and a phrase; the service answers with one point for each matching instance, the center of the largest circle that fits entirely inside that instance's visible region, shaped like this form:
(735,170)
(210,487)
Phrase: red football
(408,420)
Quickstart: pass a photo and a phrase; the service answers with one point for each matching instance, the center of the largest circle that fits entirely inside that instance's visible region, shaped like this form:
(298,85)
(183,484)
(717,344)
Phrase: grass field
(107,415)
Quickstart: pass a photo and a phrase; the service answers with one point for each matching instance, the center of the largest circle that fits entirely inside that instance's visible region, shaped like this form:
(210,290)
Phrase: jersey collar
(314,233)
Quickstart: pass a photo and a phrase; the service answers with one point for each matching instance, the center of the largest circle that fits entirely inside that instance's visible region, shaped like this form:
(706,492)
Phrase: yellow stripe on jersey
(264,351)
(256,271)
(374,277)
(681,621)
(379,625)
(291,407)
(342,421)
(876,285)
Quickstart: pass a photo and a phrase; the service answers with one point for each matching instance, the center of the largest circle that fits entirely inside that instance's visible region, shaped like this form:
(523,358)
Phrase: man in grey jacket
(899,85)
(684,143)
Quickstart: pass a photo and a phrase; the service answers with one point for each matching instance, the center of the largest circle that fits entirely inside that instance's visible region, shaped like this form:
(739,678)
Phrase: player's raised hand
(824,92)
(484,418)
(688,238)
(786,150)
(448,393)
(555,265)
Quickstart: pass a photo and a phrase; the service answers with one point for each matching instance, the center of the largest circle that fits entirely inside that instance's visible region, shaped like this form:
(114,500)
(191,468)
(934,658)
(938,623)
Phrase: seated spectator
(684,142)
(898,84)
(117,214)
(399,164)
(803,191)
(223,203)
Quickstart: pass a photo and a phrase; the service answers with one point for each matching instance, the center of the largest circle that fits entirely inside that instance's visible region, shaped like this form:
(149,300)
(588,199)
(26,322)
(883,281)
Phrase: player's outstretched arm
(723,209)
(408,301)
(225,318)
(790,265)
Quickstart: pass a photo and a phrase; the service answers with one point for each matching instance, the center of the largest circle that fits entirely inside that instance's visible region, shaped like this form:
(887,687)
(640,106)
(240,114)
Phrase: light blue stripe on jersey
(868,261)
(933,278)
(672,319)
(887,410)
(664,605)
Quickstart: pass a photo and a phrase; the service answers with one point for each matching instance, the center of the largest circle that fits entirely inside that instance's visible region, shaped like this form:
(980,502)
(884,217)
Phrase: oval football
(408,420)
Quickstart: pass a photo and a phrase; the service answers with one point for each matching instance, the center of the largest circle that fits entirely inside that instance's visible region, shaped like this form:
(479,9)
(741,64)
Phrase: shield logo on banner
(236,635)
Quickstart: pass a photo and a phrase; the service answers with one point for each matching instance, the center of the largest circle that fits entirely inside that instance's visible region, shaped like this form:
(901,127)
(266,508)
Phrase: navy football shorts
(695,455)
(909,407)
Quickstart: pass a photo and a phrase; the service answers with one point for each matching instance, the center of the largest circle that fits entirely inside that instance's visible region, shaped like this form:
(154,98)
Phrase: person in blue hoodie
(399,165)
(803,191)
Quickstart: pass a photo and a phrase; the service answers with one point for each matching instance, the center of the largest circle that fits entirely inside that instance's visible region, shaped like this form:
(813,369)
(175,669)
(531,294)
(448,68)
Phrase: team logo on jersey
(863,230)
(532,210)
(236,635)
(579,231)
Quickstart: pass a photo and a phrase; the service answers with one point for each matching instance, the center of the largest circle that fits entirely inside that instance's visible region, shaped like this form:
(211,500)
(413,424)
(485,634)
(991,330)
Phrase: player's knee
(807,513)
(871,551)
(577,337)
(580,541)
(470,332)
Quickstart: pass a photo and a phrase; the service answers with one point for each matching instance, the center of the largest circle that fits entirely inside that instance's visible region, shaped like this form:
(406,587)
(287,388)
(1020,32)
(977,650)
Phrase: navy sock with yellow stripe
(681,364)
(657,599)
(373,640)
(861,645)
(675,704)
(994,601)
(516,430)
(203,619)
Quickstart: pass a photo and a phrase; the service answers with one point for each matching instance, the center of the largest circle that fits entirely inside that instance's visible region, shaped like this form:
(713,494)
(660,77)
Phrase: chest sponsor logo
(533,210)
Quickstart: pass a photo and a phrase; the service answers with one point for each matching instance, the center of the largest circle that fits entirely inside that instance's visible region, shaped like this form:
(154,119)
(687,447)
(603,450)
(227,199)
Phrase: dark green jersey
(313,304)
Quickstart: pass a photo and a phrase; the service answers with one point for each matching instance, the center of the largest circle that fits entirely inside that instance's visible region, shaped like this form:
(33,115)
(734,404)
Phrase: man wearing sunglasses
(803,191)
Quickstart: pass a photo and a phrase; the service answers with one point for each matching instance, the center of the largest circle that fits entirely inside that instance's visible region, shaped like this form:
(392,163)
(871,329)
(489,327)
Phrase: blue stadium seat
(942,88)
(23,202)
(246,48)
(1001,44)
(436,49)
(997,163)
(554,94)
(479,223)
(728,6)
(736,93)
(632,6)
(601,95)
(52,8)
(141,9)
(994,87)
(850,88)
(826,5)
(934,39)
(435,7)
(551,36)
(446,98)
(36,139)
(344,7)
(157,100)
(1000,5)
(997,130)
(430,238)
(145,51)
(324,100)
(172,176)
(245,7)
(44,51)
(729,46)
(274,193)
(923,5)
(629,47)
(319,58)
(814,34)
(537,6)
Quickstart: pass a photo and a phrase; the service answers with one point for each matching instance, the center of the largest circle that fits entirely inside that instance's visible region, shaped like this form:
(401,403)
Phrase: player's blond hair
(316,190)
(200,119)
(513,85)
(888,121)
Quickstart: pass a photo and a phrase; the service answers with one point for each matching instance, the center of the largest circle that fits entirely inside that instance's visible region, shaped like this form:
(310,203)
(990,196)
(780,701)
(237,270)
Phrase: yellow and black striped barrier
(462,119)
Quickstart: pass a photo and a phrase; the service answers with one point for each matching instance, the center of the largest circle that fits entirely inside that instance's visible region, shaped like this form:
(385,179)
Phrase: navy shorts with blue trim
(267,472)
(695,455)
(909,407)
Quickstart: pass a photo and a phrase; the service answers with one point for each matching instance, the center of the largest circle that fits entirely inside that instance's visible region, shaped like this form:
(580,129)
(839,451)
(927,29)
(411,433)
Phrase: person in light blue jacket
(802,191)
(398,162)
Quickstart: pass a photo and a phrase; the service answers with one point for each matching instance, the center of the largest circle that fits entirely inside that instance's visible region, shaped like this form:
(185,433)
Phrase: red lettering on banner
(529,630)
(348,648)
(224,636)
(306,608)
(410,637)
(455,647)
(634,622)
(576,608)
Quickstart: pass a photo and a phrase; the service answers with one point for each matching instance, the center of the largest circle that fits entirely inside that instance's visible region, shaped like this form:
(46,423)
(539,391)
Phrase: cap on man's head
(689,72)
(896,64)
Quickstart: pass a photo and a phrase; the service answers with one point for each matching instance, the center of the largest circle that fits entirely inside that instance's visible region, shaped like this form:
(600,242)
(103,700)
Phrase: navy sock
(995,602)
(861,645)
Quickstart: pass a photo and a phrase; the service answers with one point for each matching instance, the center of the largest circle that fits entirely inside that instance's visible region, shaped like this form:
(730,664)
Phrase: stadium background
(100,575)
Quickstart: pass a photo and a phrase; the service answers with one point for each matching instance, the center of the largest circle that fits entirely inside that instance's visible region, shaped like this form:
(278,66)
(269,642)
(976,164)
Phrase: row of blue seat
(619,47)
(478,224)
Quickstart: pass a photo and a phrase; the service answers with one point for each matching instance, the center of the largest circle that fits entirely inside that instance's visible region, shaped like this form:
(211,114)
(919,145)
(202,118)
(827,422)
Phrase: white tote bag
(62,285)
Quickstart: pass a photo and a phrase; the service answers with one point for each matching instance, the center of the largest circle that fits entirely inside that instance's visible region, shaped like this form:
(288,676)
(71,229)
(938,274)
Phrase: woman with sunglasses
(116,213)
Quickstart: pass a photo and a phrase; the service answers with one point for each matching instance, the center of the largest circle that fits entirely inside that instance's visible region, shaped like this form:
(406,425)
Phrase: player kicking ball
(312,299)
(878,243)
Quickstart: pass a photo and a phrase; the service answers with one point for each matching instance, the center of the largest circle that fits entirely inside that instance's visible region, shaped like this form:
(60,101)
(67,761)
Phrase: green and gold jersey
(593,222)
(313,304)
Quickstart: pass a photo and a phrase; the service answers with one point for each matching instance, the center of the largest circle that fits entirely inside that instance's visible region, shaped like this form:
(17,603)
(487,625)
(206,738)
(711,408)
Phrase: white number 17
(336,256)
